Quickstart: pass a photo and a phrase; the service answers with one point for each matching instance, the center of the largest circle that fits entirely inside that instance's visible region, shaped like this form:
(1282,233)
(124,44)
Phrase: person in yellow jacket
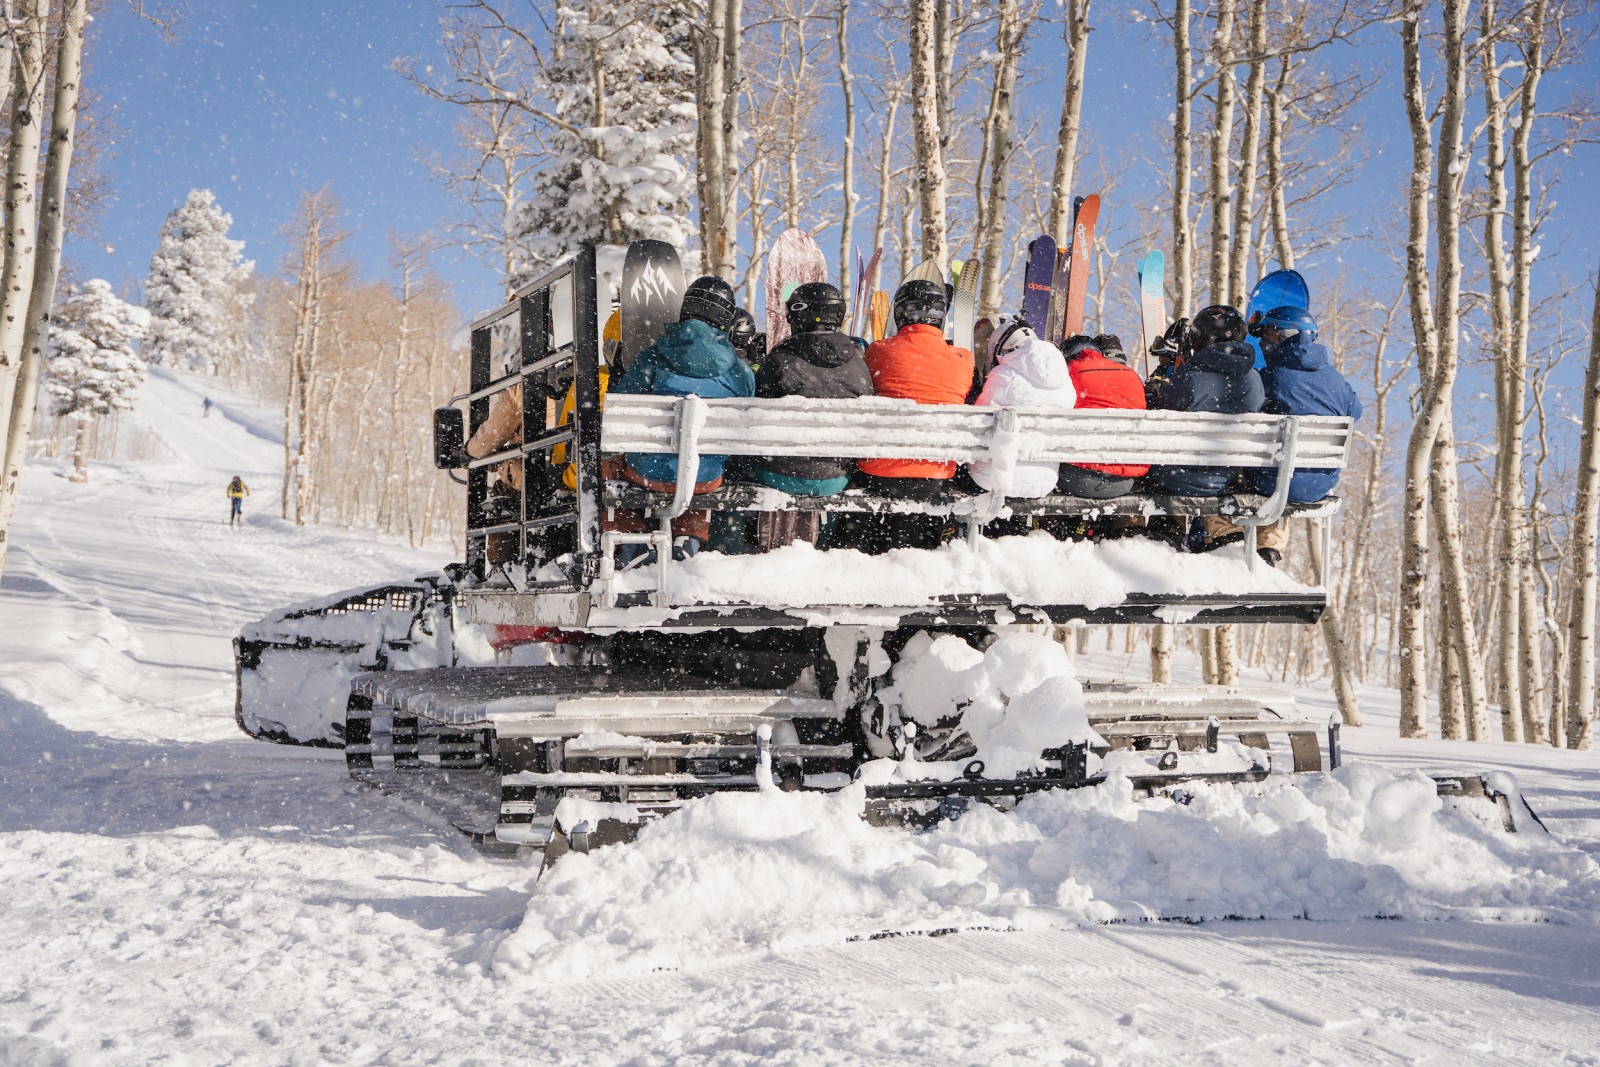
(237,491)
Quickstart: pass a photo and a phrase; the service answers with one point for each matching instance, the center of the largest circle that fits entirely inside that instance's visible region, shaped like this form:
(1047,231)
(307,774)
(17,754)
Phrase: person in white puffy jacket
(1028,373)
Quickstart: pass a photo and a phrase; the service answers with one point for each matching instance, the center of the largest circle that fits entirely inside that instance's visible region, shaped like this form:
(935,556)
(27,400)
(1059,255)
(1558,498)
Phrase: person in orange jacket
(915,364)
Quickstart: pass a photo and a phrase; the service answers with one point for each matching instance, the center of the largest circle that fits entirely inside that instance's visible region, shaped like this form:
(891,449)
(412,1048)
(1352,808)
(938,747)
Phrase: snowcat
(545,698)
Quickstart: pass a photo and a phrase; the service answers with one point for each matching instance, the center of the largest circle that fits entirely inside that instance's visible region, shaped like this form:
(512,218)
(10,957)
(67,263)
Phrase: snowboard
(1152,303)
(878,315)
(651,295)
(1281,288)
(794,260)
(1038,281)
(1080,262)
(964,308)
(926,271)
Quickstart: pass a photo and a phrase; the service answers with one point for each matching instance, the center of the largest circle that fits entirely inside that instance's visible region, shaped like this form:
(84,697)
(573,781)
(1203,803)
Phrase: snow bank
(1036,569)
(740,875)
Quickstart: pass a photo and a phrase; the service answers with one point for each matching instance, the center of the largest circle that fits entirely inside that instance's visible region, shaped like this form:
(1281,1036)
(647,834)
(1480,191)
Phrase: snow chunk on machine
(541,697)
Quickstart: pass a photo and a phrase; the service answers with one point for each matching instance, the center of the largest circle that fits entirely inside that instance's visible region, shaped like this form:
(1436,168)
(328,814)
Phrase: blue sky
(259,101)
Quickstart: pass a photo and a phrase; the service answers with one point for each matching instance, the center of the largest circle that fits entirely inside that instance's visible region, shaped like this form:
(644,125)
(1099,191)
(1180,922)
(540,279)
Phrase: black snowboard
(652,292)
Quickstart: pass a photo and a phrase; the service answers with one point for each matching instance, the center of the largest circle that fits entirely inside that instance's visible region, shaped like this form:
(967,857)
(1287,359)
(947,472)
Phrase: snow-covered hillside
(177,893)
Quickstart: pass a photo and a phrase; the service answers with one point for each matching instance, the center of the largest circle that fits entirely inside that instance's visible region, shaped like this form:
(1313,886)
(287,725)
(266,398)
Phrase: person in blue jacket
(692,356)
(1299,379)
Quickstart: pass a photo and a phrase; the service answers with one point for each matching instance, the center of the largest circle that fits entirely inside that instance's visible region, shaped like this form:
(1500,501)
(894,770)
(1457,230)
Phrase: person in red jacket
(1101,381)
(915,364)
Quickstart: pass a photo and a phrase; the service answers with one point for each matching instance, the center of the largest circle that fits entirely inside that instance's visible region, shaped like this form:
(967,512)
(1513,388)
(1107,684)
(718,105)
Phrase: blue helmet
(1290,320)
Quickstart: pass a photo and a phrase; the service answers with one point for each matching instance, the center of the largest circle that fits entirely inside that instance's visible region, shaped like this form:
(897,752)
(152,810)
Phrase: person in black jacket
(1216,371)
(817,360)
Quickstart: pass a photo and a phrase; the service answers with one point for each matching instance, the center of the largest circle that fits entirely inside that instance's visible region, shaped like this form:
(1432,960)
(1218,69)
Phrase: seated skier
(916,364)
(692,357)
(1028,372)
(1299,379)
(816,360)
(1216,372)
(1102,381)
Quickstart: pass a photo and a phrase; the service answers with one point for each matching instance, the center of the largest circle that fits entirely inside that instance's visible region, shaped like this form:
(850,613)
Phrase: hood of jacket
(822,348)
(1229,357)
(1297,354)
(1039,362)
(696,349)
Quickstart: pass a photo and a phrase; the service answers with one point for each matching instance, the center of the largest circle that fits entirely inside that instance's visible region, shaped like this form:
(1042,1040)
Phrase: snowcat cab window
(542,340)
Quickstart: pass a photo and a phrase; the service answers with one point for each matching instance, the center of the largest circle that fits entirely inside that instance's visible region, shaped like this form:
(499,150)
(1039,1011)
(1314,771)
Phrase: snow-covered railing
(884,428)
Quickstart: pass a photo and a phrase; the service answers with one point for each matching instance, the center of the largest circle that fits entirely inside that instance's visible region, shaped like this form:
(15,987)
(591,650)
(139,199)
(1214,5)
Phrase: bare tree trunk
(1580,704)
(847,88)
(1275,175)
(992,212)
(80,451)
(1075,31)
(1454,724)
(1434,324)
(1507,381)
(46,263)
(880,229)
(925,101)
(1333,637)
(1245,192)
(1161,655)
(1453,584)
(30,34)
(1221,145)
(1182,162)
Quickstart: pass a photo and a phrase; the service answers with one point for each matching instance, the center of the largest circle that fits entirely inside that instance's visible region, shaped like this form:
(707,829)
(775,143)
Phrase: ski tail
(878,314)
(1082,261)
(964,309)
(1152,302)
(1038,281)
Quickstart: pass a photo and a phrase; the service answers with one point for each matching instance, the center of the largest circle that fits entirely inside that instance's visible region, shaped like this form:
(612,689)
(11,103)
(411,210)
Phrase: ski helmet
(1216,324)
(1009,333)
(1110,346)
(1291,321)
(742,331)
(814,306)
(709,299)
(920,301)
(1076,345)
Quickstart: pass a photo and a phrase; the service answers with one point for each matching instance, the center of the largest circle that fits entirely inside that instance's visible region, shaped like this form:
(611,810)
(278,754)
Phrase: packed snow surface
(179,894)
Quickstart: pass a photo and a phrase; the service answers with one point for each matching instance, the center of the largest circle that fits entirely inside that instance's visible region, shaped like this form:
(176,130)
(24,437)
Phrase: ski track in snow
(179,894)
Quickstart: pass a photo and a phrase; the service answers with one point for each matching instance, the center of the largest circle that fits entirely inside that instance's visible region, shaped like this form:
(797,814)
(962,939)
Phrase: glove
(1167,347)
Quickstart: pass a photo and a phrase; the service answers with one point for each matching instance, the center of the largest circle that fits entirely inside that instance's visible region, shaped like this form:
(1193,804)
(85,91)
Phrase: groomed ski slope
(179,894)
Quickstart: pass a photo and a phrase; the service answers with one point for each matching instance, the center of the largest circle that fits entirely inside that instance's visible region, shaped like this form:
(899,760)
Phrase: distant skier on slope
(237,491)
(205,408)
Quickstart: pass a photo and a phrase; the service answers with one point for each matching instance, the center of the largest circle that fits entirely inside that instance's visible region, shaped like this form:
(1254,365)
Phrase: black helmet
(742,329)
(814,306)
(709,299)
(1216,324)
(920,301)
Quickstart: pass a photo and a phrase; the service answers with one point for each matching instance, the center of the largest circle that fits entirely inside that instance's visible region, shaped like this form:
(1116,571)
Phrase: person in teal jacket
(693,356)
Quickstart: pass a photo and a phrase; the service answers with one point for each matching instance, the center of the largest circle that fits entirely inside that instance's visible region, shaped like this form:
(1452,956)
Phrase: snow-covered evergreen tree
(617,169)
(195,270)
(91,368)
